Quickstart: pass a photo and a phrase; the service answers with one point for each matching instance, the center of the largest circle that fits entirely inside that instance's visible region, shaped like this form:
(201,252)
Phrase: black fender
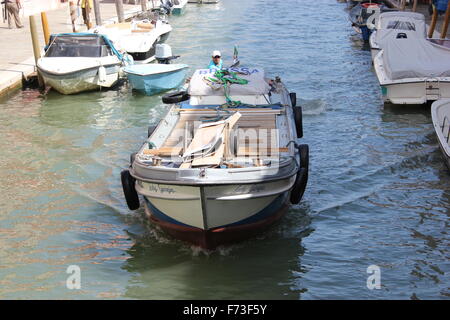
(132,158)
(298,117)
(175,97)
(301,180)
(293,97)
(129,190)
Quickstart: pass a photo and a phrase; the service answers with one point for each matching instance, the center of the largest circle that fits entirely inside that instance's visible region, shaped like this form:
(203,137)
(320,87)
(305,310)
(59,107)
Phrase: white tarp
(391,24)
(415,58)
(256,83)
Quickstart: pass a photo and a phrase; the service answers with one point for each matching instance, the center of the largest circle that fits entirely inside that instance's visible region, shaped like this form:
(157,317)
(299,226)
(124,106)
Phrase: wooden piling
(73,14)
(45,27)
(414,8)
(119,8)
(98,17)
(446,22)
(36,49)
(433,22)
(87,8)
(144,5)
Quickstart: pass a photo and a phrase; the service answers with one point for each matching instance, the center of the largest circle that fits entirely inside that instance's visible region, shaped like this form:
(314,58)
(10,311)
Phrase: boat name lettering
(160,189)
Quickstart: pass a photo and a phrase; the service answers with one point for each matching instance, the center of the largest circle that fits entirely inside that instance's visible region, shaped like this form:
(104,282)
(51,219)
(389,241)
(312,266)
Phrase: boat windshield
(86,46)
(401,25)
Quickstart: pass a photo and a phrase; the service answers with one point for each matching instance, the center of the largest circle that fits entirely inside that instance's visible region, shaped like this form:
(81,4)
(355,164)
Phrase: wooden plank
(164,152)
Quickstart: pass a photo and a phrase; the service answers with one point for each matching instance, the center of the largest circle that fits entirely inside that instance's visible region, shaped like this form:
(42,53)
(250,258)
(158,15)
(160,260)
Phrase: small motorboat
(179,7)
(440,114)
(397,24)
(224,163)
(138,37)
(77,62)
(364,13)
(157,77)
(412,70)
(154,78)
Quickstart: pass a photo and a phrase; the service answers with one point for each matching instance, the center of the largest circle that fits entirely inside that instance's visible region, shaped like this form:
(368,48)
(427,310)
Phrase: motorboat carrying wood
(225,162)
(401,24)
(413,71)
(138,37)
(77,62)
(155,78)
(440,114)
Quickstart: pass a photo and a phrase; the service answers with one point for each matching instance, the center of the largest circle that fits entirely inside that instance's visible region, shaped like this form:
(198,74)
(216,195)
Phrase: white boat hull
(410,90)
(440,114)
(210,207)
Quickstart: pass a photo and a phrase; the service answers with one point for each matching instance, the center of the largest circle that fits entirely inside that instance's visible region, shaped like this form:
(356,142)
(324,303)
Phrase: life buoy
(301,180)
(176,97)
(368,5)
(298,117)
(129,190)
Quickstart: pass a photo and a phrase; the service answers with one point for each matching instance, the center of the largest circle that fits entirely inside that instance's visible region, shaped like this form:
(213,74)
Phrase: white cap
(216,53)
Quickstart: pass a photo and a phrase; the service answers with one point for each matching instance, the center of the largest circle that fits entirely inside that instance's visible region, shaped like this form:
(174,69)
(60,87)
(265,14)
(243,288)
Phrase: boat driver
(216,62)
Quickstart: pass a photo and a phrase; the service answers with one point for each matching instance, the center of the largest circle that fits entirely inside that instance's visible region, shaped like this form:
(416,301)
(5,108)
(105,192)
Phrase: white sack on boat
(256,83)
(415,58)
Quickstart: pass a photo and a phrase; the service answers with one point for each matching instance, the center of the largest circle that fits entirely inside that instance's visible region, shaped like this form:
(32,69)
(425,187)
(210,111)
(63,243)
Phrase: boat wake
(313,107)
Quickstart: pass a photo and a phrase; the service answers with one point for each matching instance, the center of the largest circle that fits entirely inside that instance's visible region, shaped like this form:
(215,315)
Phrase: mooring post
(433,22)
(45,27)
(119,8)
(36,50)
(98,17)
(73,14)
(144,5)
(414,9)
(446,21)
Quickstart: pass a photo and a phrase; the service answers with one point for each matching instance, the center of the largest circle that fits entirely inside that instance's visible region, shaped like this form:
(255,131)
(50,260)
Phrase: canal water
(378,192)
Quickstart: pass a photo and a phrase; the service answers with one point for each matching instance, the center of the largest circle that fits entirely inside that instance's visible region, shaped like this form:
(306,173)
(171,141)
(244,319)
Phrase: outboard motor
(163,53)
(166,6)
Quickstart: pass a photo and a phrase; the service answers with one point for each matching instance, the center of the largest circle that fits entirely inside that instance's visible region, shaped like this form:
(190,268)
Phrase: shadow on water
(267,267)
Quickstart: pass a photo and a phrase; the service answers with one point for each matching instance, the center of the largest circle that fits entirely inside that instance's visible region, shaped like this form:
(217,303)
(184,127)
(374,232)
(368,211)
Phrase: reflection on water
(379,191)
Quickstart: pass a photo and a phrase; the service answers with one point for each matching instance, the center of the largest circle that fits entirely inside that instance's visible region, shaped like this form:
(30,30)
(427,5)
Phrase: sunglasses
(216,57)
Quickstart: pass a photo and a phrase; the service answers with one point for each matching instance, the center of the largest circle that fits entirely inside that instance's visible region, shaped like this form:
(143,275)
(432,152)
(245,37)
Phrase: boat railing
(443,127)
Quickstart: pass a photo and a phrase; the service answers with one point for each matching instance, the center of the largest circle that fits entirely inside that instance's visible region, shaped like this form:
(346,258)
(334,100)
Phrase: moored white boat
(440,114)
(413,71)
(396,24)
(138,38)
(76,62)
(212,174)
(179,7)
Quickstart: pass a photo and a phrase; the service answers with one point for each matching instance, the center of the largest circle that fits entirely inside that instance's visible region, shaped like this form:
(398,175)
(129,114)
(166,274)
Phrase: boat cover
(199,85)
(412,24)
(415,58)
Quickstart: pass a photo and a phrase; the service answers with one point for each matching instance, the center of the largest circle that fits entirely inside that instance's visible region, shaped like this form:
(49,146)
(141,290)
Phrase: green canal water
(378,192)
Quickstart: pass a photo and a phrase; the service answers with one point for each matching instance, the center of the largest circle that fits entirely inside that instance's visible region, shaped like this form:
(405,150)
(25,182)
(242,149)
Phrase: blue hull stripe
(265,213)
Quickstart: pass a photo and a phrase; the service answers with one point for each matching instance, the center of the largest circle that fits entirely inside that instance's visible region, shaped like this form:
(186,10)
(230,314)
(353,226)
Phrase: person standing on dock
(12,9)
(86,7)
(216,63)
